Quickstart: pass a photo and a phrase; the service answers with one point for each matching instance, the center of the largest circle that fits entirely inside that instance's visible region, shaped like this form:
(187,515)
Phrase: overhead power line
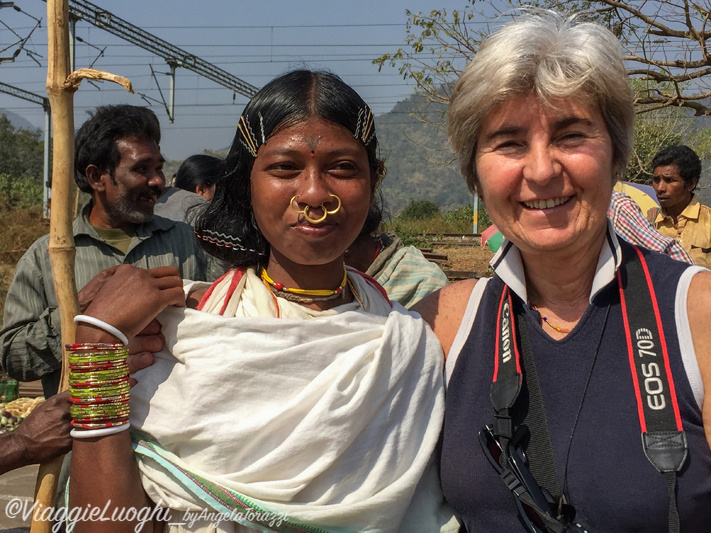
(173,55)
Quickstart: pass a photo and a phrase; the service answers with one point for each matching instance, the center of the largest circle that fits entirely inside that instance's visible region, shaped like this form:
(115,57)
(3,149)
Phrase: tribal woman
(292,395)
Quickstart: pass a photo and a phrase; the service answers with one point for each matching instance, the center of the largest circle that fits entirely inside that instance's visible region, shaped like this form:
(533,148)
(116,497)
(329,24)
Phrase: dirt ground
(465,258)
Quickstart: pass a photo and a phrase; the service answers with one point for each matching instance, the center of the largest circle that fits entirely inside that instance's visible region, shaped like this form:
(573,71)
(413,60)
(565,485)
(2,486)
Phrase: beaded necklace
(304,295)
(278,290)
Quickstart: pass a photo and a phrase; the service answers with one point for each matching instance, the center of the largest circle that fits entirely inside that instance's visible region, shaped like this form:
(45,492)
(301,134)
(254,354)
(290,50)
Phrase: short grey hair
(550,55)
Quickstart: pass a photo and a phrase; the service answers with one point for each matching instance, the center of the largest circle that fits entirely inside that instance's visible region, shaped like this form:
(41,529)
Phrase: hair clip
(261,127)
(364,126)
(225,241)
(249,141)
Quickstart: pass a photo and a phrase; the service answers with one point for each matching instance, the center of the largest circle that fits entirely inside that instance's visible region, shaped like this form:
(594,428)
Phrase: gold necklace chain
(544,320)
(355,293)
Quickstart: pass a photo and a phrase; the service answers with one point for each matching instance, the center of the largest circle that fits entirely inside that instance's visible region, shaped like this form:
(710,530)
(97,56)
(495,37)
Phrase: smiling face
(313,160)
(545,173)
(673,193)
(128,196)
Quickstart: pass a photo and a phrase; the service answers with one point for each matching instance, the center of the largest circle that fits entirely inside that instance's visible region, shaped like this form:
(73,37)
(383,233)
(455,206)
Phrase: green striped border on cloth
(225,501)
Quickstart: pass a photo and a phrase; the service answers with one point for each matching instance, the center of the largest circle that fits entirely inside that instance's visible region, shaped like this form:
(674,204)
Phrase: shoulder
(697,304)
(175,231)
(36,254)
(699,313)
(443,310)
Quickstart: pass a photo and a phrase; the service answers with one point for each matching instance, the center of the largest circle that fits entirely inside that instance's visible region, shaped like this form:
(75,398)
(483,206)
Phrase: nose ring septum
(305,210)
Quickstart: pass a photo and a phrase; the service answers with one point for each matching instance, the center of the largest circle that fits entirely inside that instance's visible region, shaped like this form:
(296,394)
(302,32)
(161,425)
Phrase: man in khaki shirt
(677,170)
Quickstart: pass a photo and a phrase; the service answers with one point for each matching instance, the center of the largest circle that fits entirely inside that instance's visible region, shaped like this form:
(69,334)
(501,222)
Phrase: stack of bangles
(99,387)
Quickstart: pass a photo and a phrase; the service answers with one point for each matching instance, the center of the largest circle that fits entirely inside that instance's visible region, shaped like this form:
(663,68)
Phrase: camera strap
(514,354)
(663,438)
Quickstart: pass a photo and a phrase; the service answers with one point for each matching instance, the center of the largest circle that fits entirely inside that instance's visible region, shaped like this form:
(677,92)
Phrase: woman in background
(199,174)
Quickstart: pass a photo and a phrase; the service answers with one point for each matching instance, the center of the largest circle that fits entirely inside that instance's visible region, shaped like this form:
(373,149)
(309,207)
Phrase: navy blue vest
(601,465)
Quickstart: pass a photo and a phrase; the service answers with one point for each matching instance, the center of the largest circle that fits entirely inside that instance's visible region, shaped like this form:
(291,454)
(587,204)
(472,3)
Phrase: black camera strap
(663,438)
(507,384)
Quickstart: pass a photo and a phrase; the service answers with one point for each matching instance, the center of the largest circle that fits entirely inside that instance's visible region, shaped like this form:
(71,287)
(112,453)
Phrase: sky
(254,40)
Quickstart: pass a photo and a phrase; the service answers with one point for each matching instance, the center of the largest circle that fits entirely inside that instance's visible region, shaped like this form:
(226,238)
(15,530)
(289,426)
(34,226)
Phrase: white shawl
(331,422)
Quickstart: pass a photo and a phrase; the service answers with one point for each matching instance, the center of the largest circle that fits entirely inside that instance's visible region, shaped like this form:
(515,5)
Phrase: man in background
(677,170)
(117,160)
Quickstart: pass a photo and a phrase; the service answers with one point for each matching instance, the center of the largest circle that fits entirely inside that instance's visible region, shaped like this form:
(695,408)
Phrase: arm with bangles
(699,313)
(103,471)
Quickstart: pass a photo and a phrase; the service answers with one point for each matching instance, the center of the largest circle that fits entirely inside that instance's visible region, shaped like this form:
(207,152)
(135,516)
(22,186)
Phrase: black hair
(374,218)
(200,169)
(684,158)
(95,141)
(228,222)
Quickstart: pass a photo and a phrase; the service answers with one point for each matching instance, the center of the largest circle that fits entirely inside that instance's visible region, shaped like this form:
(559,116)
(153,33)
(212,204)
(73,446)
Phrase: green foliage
(668,86)
(438,46)
(21,152)
(658,129)
(19,193)
(484,218)
(419,209)
(461,215)
(430,224)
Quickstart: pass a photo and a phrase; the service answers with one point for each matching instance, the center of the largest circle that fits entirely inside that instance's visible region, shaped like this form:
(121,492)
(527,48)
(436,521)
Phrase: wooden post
(61,241)
(61,85)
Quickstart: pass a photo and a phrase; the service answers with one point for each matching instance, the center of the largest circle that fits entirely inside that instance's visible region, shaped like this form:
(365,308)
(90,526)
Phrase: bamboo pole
(61,241)
(61,85)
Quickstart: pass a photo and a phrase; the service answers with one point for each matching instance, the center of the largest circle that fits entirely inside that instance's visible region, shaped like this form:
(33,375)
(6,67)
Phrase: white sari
(325,424)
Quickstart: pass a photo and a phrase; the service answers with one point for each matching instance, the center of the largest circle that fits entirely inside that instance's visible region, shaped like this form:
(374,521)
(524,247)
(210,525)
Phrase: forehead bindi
(319,136)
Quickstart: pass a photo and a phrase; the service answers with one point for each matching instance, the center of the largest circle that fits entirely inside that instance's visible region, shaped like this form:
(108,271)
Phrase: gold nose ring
(305,210)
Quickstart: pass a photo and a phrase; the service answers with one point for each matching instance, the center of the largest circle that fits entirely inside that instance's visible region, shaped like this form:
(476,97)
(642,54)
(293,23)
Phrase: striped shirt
(405,274)
(626,217)
(30,342)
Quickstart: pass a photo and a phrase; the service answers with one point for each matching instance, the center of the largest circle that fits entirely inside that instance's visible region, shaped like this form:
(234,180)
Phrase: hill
(420,164)
(17,121)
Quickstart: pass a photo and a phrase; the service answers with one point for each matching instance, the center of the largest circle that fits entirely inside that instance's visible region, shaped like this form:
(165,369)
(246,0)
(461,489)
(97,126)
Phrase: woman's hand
(129,299)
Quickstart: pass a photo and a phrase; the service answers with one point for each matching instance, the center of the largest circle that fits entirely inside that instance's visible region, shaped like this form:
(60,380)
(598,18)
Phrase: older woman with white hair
(575,375)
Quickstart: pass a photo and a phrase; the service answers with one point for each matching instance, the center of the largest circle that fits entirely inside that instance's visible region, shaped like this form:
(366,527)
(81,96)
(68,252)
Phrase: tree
(665,41)
(667,59)
(21,152)
(419,210)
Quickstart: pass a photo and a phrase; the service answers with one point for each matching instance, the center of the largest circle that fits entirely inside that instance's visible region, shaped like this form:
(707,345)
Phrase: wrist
(102,326)
(86,333)
(15,450)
